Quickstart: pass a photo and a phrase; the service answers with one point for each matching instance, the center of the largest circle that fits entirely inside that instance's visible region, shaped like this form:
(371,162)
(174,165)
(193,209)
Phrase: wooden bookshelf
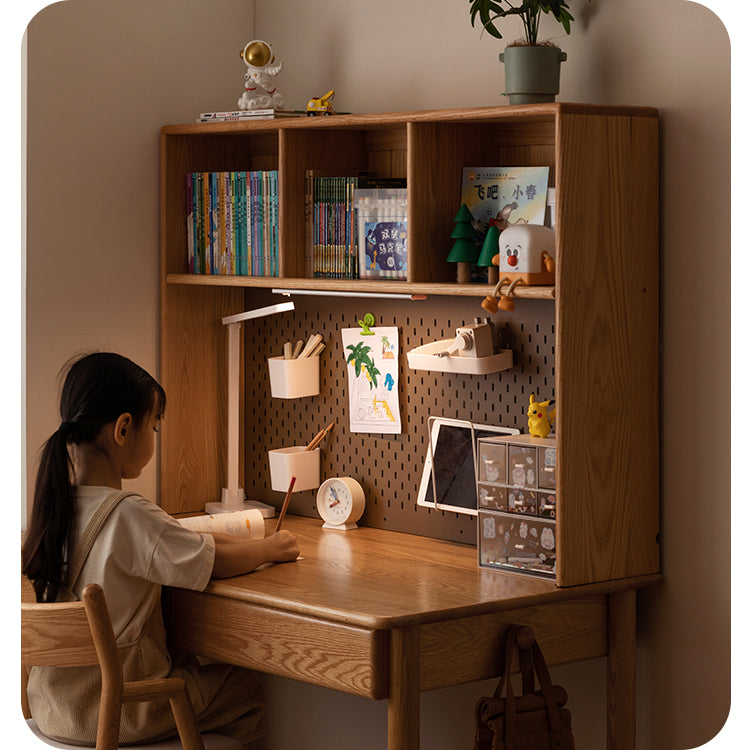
(604,165)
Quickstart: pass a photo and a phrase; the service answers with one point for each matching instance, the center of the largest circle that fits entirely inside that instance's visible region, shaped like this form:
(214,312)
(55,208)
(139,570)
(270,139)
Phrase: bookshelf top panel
(527,112)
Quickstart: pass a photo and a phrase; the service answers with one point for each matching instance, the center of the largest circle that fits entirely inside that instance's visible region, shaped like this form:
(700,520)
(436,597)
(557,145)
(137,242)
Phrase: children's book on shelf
(382,232)
(502,196)
(331,221)
(232,223)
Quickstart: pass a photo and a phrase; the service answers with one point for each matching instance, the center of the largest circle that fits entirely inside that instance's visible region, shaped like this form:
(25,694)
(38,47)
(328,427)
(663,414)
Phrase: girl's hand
(284,547)
(236,556)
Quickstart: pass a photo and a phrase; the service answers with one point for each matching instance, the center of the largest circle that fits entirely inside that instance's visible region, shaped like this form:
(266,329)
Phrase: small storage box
(547,467)
(517,543)
(492,497)
(522,501)
(517,502)
(522,465)
(492,462)
(547,505)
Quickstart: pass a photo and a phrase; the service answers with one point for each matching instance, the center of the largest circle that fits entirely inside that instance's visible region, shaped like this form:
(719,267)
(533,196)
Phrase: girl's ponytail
(44,555)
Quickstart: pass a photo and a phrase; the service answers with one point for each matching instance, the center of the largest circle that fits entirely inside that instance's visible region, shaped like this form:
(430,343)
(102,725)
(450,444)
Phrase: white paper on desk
(372,374)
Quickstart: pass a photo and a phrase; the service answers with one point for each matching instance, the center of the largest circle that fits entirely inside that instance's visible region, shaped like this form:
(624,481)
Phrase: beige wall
(93,254)
(103,76)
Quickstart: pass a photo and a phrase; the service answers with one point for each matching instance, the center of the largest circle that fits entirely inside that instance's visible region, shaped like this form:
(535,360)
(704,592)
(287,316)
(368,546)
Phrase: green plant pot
(532,74)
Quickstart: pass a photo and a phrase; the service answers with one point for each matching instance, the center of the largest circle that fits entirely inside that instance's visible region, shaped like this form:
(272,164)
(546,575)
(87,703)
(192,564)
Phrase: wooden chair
(80,634)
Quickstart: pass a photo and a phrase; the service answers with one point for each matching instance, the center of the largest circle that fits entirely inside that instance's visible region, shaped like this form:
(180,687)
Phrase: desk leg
(621,671)
(403,696)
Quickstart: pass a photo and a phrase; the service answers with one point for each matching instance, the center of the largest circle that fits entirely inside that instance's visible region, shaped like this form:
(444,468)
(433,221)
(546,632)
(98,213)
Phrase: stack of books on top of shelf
(232,223)
(248,114)
(331,222)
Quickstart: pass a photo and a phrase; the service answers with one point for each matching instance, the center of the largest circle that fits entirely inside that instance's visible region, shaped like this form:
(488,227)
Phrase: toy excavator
(321,105)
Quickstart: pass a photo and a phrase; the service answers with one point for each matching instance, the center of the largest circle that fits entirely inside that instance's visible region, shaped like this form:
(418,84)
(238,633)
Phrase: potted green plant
(532,68)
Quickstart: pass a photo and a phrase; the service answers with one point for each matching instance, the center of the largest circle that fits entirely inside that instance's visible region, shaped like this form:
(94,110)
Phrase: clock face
(341,502)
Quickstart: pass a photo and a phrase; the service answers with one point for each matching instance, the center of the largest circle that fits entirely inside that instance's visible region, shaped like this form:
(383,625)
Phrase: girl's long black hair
(97,389)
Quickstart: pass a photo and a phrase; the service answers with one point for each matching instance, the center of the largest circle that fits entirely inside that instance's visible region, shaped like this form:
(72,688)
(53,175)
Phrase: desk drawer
(320,652)
(472,648)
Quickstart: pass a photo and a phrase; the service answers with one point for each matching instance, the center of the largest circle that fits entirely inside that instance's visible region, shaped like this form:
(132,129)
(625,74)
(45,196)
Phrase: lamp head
(260,312)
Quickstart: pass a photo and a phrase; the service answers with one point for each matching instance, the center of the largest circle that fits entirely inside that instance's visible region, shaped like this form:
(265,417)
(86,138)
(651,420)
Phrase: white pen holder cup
(286,463)
(294,378)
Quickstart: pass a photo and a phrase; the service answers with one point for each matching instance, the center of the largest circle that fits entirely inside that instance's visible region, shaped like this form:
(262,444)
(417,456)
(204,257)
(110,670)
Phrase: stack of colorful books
(232,223)
(331,222)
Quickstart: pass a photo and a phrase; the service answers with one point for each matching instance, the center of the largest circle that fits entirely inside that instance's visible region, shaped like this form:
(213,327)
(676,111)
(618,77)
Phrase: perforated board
(388,466)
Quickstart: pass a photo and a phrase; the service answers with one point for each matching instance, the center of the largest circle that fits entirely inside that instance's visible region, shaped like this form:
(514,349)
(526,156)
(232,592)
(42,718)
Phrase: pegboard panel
(388,466)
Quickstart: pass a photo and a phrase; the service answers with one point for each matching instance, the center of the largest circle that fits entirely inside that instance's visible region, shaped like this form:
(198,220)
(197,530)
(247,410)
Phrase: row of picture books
(356,226)
(232,223)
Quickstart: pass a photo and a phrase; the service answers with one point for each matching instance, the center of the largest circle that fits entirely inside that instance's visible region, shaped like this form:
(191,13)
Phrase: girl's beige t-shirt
(139,549)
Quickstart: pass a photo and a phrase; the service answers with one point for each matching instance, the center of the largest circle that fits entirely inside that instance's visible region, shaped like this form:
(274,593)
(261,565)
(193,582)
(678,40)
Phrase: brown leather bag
(534,721)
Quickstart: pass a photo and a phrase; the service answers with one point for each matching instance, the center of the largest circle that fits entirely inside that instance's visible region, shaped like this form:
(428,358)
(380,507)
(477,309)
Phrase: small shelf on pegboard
(426,357)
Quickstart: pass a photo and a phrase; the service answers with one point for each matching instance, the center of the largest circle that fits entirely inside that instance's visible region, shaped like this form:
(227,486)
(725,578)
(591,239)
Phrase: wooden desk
(386,615)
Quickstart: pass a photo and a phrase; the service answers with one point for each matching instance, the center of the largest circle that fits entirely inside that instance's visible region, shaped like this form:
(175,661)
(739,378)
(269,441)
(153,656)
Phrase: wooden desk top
(380,579)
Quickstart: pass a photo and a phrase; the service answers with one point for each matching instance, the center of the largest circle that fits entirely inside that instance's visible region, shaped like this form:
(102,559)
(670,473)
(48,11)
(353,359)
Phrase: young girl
(110,409)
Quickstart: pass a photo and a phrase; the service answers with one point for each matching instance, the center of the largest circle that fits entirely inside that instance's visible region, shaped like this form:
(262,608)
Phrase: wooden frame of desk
(387,615)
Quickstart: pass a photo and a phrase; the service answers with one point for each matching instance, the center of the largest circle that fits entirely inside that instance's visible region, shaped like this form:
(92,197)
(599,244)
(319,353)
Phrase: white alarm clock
(341,503)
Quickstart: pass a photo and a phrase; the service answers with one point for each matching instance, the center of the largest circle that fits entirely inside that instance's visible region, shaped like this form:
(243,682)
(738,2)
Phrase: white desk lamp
(233,496)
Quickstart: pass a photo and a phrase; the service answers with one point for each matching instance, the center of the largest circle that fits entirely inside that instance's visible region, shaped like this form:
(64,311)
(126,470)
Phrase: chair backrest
(70,634)
(56,635)
(77,634)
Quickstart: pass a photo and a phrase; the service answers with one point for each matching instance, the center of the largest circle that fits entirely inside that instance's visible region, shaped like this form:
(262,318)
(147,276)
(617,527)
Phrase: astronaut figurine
(260,90)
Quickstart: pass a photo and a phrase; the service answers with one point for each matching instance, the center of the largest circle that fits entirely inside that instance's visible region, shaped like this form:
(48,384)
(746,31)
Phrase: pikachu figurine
(541,417)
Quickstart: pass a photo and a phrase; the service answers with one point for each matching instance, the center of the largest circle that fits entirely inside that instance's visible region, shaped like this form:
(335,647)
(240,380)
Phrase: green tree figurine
(489,251)
(464,251)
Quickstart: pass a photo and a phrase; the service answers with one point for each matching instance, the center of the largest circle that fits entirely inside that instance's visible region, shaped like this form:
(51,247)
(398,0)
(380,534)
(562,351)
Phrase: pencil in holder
(294,378)
(296,461)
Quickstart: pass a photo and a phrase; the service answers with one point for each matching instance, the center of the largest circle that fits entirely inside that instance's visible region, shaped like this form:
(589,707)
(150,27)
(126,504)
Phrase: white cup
(286,463)
(294,378)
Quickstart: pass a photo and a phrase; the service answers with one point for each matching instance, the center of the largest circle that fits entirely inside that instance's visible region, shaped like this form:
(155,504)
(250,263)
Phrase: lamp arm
(233,414)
